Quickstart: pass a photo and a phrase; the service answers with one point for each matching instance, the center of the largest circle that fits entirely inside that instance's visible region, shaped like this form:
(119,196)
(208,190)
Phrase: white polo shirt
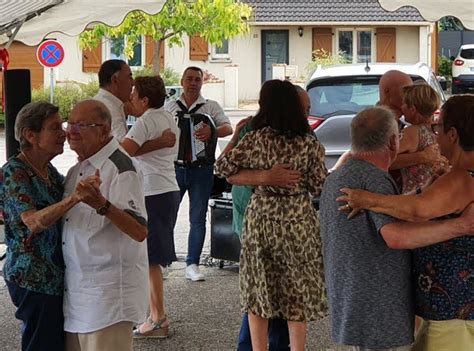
(157,167)
(210,107)
(106,275)
(115,106)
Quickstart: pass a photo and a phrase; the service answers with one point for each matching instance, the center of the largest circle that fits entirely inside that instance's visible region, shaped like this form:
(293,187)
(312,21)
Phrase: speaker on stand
(17,93)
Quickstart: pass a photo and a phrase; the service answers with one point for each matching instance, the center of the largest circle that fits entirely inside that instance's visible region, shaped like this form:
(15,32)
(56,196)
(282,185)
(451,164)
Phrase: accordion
(192,151)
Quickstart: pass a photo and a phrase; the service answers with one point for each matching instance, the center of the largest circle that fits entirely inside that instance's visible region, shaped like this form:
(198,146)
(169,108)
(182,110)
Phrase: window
(114,50)
(355,45)
(221,52)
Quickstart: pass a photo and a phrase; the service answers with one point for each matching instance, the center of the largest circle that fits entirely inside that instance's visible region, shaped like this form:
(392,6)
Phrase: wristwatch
(104,209)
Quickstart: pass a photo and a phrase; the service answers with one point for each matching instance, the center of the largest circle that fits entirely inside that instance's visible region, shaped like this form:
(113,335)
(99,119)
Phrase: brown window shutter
(24,56)
(198,48)
(322,39)
(386,44)
(92,59)
(149,48)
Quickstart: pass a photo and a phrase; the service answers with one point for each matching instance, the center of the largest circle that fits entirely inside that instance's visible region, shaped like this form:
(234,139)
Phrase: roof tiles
(329,11)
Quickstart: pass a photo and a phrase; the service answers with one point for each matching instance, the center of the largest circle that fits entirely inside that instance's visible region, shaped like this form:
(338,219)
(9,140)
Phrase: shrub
(445,66)
(325,58)
(169,76)
(66,95)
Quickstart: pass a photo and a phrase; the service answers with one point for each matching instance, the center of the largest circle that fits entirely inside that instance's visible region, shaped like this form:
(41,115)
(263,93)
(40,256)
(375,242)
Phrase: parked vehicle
(463,69)
(339,92)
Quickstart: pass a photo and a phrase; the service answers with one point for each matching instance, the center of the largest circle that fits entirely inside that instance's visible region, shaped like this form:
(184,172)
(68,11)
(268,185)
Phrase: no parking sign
(50,53)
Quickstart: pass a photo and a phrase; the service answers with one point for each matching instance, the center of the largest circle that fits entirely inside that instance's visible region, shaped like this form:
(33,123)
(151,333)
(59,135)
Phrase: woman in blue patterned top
(443,273)
(31,199)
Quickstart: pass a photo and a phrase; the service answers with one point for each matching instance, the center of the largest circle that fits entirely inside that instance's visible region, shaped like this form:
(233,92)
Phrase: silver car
(337,93)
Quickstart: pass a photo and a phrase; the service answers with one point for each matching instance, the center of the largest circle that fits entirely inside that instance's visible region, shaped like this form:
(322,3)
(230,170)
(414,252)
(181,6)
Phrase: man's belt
(194,164)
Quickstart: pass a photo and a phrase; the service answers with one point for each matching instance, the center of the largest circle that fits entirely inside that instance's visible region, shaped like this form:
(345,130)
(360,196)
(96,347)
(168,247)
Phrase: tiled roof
(329,11)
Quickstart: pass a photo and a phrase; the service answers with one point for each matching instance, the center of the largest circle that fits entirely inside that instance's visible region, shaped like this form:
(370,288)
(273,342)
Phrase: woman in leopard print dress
(281,265)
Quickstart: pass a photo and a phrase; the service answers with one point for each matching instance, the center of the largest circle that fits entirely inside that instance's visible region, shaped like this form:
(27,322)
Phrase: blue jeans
(197,181)
(42,319)
(279,339)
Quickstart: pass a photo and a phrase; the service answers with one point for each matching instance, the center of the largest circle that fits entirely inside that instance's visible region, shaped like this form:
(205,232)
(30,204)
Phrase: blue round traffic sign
(50,53)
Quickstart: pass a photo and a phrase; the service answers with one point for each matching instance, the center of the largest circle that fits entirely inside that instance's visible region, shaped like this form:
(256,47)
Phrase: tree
(450,23)
(214,20)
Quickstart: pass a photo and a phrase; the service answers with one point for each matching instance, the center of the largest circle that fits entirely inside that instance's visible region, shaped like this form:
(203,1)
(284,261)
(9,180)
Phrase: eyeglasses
(436,128)
(79,126)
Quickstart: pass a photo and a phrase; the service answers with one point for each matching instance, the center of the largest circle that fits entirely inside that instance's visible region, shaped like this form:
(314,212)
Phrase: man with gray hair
(105,255)
(367,266)
(368,283)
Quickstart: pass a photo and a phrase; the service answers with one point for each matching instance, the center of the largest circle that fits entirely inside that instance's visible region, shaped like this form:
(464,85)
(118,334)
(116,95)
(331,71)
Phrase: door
(274,50)
(386,44)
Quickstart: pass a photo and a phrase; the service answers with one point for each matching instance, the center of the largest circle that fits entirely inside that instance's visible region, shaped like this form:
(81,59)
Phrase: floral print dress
(33,261)
(281,264)
(420,176)
(444,278)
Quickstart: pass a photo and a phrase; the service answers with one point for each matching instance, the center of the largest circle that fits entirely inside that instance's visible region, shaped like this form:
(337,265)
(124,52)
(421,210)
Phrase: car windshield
(467,54)
(343,95)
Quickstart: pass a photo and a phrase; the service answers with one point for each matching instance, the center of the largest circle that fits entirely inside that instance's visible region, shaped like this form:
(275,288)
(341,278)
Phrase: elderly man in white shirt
(104,247)
(115,82)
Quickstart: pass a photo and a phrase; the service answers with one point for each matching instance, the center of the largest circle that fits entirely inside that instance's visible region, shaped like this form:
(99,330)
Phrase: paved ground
(204,315)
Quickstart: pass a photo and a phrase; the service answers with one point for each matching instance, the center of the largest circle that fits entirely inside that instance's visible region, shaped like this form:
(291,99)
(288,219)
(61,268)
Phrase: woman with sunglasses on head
(31,199)
(443,273)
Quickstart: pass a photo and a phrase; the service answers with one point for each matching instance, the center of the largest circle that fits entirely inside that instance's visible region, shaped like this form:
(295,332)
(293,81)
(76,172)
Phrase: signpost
(50,54)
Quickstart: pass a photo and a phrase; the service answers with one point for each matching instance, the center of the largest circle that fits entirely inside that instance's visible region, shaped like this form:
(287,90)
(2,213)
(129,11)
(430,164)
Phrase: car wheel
(455,90)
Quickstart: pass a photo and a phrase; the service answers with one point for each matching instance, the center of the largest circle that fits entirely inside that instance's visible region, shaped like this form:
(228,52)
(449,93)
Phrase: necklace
(37,171)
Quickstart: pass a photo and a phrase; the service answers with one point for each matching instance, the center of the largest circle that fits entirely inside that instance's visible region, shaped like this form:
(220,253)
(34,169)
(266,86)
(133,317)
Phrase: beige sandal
(157,331)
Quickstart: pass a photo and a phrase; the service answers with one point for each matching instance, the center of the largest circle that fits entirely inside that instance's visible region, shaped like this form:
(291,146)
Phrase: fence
(450,41)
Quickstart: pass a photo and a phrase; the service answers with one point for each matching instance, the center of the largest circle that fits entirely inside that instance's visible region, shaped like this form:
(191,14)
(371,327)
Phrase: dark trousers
(197,181)
(42,318)
(279,340)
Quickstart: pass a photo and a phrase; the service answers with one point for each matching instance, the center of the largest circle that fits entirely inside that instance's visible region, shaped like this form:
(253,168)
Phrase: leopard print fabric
(281,263)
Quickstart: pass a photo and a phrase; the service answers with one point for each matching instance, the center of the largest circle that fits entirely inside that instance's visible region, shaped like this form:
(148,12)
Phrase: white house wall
(245,51)
(407,43)
(71,68)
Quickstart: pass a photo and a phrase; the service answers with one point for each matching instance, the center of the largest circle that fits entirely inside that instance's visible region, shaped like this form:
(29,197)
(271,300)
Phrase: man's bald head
(390,90)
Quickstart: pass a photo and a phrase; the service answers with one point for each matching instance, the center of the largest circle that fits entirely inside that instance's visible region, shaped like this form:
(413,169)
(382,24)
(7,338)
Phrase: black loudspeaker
(17,90)
(225,244)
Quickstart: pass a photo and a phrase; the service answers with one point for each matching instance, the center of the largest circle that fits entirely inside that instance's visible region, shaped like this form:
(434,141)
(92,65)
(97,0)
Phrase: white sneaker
(192,272)
(165,271)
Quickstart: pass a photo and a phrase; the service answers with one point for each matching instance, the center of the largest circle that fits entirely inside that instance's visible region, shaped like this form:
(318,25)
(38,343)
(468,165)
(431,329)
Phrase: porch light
(300,31)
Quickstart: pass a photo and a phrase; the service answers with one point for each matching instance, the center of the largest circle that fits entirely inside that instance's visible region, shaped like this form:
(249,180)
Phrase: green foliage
(2,119)
(445,66)
(66,95)
(214,20)
(450,23)
(325,58)
(169,75)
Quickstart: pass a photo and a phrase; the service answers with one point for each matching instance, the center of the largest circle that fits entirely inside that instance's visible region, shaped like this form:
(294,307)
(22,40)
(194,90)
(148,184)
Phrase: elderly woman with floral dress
(31,199)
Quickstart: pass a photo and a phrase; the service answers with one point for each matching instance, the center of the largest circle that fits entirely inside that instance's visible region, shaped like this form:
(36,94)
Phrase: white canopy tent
(32,21)
(433,10)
